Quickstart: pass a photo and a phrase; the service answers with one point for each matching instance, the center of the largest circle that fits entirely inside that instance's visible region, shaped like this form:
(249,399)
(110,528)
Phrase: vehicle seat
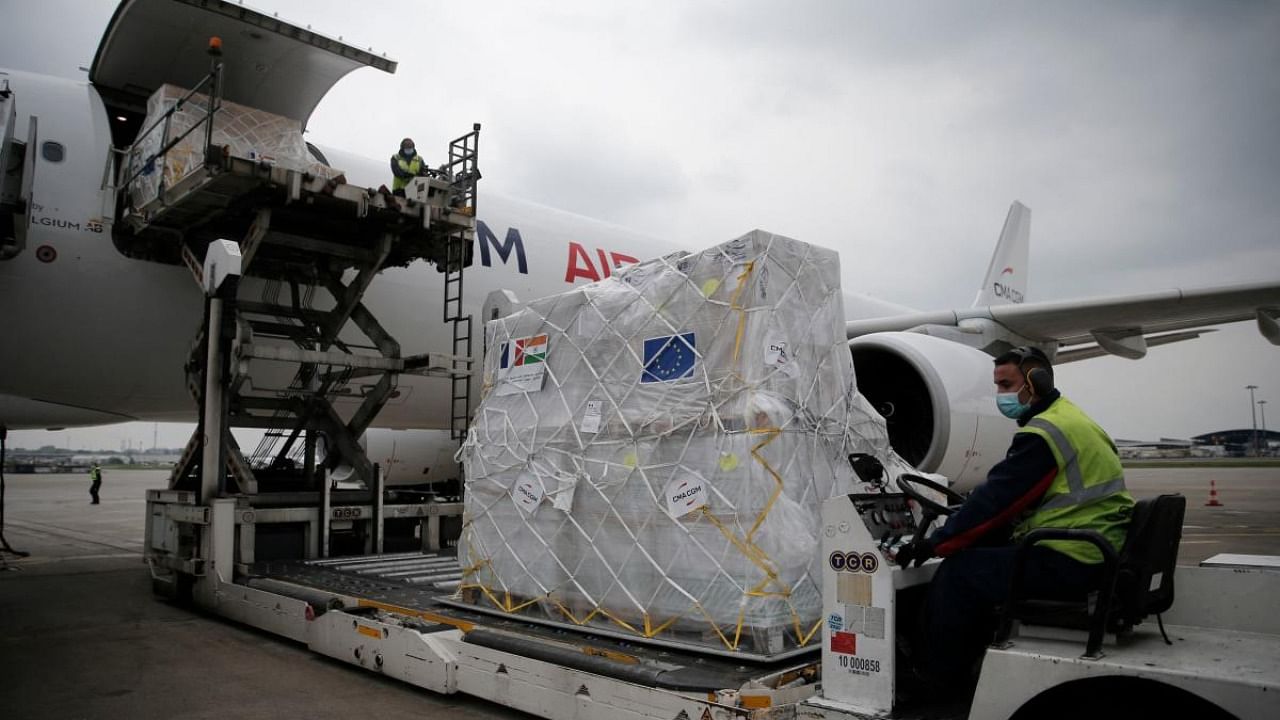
(1137,582)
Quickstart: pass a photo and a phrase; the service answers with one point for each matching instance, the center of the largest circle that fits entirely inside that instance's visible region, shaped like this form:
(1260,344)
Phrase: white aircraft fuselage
(93,336)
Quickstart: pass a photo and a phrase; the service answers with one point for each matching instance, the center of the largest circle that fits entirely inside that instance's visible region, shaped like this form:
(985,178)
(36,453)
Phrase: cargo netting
(650,452)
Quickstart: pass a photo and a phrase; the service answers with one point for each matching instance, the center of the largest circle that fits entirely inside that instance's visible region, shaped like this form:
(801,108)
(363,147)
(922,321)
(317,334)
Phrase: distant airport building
(49,459)
(1162,448)
(1239,443)
(1223,443)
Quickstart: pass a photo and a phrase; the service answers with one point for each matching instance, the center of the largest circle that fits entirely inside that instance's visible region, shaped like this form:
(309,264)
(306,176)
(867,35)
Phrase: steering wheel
(907,483)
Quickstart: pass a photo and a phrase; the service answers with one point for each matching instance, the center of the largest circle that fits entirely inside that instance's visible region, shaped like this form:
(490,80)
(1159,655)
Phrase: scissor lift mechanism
(298,236)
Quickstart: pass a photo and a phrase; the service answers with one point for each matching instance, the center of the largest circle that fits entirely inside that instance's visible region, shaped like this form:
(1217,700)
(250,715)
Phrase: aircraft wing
(1093,350)
(1118,325)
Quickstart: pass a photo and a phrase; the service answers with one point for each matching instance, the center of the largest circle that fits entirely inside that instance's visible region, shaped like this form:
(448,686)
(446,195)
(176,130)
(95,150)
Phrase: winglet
(1006,280)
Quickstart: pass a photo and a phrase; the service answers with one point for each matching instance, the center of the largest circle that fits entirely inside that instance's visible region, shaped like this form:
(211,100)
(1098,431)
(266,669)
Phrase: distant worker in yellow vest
(95,477)
(1061,471)
(405,165)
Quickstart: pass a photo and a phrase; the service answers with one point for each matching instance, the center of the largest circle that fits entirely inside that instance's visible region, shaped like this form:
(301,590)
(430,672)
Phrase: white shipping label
(684,495)
(865,620)
(521,380)
(562,498)
(775,351)
(591,418)
(527,494)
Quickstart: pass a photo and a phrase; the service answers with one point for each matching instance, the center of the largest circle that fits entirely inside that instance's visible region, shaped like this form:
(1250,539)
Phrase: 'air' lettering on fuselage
(581,266)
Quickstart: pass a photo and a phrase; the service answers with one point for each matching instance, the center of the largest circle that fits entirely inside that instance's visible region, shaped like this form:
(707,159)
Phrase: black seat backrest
(1144,580)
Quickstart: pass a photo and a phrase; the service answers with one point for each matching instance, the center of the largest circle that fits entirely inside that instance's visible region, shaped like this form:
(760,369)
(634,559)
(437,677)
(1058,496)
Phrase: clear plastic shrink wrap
(248,132)
(651,451)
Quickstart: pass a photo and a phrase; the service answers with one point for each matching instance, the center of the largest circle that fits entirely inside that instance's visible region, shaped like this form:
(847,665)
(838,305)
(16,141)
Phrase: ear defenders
(1039,378)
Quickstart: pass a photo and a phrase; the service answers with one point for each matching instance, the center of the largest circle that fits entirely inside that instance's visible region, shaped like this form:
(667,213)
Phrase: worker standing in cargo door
(1061,471)
(405,166)
(95,477)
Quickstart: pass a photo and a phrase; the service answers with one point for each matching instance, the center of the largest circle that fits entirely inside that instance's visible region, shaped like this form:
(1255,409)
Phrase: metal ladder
(462,165)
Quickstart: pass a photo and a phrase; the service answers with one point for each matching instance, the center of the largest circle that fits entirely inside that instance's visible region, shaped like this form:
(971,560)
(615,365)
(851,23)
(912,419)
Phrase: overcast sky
(1144,136)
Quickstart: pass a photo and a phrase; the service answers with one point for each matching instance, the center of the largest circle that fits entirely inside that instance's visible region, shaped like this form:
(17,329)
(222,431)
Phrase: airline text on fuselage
(578,264)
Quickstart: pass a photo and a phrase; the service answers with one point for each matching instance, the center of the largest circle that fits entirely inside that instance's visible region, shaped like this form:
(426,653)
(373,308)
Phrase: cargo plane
(96,329)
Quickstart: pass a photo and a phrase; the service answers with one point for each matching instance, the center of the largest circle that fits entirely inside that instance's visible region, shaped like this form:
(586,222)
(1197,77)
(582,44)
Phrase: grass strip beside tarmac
(1201,462)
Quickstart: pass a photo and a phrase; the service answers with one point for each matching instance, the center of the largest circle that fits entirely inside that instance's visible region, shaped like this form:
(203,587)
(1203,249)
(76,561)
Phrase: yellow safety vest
(1088,492)
(412,167)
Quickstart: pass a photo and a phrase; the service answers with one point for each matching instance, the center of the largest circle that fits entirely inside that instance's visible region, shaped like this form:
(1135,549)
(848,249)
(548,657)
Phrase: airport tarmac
(83,638)
(81,635)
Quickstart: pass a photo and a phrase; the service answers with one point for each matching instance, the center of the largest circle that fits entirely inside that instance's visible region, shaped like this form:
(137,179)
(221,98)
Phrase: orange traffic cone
(1213,495)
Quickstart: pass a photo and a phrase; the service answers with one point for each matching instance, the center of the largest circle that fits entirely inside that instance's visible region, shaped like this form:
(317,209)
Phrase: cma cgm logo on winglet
(578,263)
(1001,290)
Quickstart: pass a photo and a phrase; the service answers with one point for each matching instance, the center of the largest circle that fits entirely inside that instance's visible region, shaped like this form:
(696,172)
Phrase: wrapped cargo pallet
(651,451)
(246,132)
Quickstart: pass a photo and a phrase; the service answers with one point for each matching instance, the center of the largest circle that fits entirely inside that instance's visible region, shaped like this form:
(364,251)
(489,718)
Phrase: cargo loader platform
(298,213)
(383,612)
(415,585)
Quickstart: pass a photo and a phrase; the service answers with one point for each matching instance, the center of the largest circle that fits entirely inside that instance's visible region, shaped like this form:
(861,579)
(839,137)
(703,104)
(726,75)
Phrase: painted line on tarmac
(1264,533)
(50,560)
(55,530)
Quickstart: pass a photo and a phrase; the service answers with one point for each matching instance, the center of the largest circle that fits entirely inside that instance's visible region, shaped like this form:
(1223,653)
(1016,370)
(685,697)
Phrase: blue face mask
(1009,405)
(408,152)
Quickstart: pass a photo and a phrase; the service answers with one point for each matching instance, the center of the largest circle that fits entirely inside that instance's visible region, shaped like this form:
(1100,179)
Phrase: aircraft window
(52,151)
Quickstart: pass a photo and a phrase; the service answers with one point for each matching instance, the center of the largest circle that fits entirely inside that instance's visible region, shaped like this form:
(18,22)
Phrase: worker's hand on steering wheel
(918,552)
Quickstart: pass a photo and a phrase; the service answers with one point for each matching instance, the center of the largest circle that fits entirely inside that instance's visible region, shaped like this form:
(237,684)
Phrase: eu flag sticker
(670,357)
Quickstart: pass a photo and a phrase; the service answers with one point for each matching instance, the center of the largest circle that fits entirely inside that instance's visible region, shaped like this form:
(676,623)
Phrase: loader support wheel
(1115,698)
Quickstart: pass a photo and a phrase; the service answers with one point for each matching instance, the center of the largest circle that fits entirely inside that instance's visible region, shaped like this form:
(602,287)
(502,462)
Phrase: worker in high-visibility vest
(405,165)
(95,482)
(1061,471)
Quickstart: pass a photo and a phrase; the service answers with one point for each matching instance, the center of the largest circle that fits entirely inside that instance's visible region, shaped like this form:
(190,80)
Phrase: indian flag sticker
(531,350)
(522,365)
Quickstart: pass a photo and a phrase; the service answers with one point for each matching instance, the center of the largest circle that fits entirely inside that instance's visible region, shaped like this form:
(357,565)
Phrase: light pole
(1262,410)
(1253,411)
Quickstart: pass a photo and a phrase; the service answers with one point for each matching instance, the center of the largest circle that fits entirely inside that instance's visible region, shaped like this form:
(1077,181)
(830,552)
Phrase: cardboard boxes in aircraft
(650,452)
(247,132)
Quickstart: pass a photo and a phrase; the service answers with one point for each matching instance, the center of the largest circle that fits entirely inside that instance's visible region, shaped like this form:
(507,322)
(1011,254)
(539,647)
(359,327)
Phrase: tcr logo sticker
(854,562)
